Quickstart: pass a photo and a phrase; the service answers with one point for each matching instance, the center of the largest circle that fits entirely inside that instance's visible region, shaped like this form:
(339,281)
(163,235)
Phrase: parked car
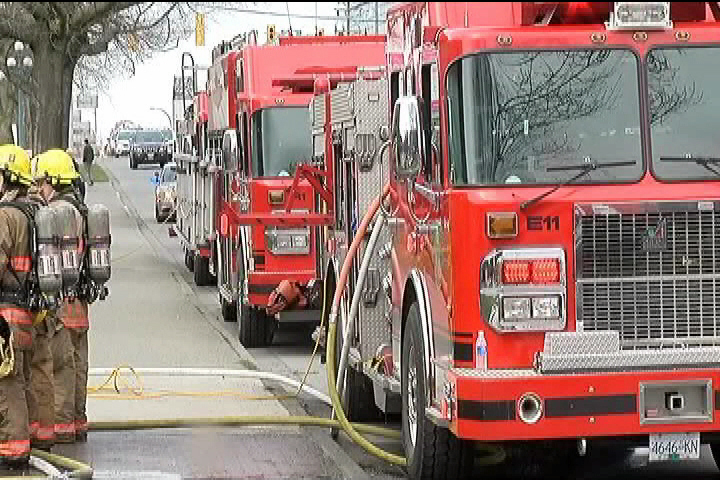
(122,142)
(165,182)
(149,146)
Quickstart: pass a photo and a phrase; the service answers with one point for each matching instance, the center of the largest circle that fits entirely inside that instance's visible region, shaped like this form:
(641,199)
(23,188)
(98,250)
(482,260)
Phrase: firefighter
(15,266)
(55,176)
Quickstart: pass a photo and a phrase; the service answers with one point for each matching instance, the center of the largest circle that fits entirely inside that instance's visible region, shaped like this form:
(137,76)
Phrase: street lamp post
(19,61)
(172,127)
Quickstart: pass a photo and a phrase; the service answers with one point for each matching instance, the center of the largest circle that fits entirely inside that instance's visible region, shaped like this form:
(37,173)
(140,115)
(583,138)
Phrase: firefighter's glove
(287,295)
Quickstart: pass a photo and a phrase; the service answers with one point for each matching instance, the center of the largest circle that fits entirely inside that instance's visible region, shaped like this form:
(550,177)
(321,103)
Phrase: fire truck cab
(549,271)
(257,246)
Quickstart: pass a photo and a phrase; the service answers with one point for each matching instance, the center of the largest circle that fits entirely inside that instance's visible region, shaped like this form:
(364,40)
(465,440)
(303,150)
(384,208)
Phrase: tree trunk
(53,74)
(8,101)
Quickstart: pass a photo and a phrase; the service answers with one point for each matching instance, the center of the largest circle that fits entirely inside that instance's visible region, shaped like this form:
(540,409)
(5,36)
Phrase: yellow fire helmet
(15,164)
(56,166)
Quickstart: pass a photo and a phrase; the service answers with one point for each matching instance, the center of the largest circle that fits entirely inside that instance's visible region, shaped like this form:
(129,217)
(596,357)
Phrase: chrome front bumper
(579,352)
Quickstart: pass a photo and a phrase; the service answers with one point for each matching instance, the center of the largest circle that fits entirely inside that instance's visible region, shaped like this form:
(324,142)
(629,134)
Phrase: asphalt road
(156,317)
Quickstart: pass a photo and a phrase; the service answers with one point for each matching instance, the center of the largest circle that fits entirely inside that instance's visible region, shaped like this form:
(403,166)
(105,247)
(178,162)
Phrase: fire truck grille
(651,272)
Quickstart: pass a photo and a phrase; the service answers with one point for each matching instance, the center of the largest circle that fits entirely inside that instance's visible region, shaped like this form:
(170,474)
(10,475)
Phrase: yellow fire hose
(353,430)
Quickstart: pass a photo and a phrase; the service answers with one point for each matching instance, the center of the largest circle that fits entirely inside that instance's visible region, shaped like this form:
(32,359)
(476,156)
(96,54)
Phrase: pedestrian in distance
(88,158)
(78,183)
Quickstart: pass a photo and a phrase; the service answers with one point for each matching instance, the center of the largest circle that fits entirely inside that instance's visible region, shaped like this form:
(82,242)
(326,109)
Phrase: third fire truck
(257,135)
(548,258)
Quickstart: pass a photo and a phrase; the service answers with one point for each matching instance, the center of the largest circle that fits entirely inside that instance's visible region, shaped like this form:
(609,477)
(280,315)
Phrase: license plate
(674,446)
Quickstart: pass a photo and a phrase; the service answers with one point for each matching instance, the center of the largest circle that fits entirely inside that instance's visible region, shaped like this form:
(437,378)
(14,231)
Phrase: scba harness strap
(28,295)
(87,291)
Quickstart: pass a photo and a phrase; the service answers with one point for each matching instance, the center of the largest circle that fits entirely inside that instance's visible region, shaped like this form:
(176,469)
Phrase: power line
(293,15)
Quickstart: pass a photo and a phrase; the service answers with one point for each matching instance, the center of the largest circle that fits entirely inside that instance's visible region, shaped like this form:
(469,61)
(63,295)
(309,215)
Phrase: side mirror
(407,137)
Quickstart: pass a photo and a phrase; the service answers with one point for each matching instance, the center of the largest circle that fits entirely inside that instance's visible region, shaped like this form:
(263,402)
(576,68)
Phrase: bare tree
(666,93)
(102,37)
(8,103)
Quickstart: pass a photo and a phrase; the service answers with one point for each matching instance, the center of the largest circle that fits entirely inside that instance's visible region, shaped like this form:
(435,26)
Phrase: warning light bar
(640,15)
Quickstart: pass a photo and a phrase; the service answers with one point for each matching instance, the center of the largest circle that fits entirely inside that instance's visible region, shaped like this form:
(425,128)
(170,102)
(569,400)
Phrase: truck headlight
(516,308)
(524,289)
(546,307)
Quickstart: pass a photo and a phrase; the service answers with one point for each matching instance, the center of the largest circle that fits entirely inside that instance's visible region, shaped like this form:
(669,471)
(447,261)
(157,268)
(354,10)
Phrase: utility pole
(377,19)
(347,11)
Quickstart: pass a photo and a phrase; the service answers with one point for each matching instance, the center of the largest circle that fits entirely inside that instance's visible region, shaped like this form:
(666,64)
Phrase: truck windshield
(149,137)
(684,102)
(517,116)
(124,136)
(280,141)
(169,174)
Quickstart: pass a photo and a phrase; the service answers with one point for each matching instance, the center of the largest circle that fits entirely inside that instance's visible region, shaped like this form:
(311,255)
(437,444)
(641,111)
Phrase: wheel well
(409,296)
(329,286)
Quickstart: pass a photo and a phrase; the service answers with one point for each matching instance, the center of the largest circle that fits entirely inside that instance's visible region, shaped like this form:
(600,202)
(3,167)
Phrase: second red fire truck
(257,135)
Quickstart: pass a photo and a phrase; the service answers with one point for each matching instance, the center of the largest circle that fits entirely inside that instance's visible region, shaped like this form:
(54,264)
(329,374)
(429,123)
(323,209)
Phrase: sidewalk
(150,319)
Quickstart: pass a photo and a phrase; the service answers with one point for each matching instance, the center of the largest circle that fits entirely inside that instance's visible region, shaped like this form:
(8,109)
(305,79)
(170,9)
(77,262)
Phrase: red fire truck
(194,184)
(263,143)
(551,262)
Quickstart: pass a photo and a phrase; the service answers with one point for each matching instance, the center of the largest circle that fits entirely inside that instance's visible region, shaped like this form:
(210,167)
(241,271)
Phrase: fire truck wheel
(244,319)
(228,309)
(431,451)
(189,260)
(158,217)
(358,397)
(202,271)
(715,448)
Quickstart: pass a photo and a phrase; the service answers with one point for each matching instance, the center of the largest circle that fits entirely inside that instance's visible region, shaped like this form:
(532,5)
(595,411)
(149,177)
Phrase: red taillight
(546,270)
(516,271)
(536,271)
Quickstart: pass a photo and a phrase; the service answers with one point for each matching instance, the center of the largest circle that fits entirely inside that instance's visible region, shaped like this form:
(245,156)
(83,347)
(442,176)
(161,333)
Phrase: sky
(130,98)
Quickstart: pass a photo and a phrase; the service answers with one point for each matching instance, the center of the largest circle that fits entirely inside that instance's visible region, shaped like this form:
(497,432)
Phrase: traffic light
(271,35)
(133,42)
(200,29)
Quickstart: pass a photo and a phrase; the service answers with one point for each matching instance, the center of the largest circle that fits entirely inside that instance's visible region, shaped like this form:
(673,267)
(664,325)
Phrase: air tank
(98,220)
(69,243)
(48,255)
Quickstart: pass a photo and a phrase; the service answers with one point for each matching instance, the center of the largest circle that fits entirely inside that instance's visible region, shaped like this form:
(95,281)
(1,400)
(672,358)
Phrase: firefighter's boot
(14,431)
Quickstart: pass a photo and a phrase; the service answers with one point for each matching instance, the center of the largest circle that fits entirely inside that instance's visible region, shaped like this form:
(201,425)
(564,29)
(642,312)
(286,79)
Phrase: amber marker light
(502,225)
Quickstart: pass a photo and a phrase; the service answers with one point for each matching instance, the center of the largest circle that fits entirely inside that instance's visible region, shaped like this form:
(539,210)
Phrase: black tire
(189,260)
(202,271)
(228,309)
(436,452)
(715,449)
(158,217)
(244,319)
(255,328)
(358,397)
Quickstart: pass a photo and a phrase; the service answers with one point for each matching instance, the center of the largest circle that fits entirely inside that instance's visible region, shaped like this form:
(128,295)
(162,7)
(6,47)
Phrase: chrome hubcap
(412,400)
